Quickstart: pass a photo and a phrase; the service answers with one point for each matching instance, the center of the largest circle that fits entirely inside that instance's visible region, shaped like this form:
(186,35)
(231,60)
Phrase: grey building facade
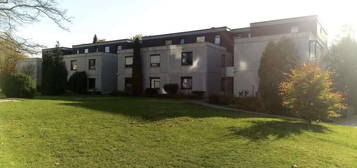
(210,60)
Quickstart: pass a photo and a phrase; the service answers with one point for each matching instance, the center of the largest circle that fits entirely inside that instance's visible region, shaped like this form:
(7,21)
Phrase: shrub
(120,93)
(78,83)
(18,86)
(151,92)
(171,89)
(308,94)
(248,103)
(221,99)
(197,94)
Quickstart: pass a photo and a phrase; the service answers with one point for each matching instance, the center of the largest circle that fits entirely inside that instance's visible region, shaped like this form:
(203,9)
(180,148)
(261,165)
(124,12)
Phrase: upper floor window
(182,41)
(97,49)
(168,42)
(128,61)
(120,48)
(155,60)
(200,39)
(91,64)
(86,50)
(74,65)
(155,83)
(107,49)
(186,58)
(217,40)
(186,82)
(294,29)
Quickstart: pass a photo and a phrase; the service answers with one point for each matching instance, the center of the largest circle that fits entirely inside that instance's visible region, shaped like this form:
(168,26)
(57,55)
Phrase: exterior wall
(31,67)
(248,52)
(171,70)
(104,73)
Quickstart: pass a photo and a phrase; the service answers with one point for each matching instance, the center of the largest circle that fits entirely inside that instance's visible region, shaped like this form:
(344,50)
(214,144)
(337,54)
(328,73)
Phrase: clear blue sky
(116,19)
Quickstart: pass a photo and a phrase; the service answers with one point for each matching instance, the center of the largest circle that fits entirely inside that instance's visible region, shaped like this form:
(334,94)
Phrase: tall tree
(95,39)
(54,72)
(137,70)
(15,13)
(342,61)
(277,60)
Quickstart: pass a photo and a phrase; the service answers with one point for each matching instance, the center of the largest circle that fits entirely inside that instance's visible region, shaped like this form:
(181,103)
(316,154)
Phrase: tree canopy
(278,58)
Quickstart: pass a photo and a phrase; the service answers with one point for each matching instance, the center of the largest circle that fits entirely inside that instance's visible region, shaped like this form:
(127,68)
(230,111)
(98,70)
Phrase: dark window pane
(186,58)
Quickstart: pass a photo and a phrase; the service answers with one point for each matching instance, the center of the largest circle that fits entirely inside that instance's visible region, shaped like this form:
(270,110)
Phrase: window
(217,40)
(182,41)
(74,65)
(128,83)
(239,36)
(91,83)
(249,35)
(119,48)
(97,49)
(186,58)
(168,42)
(200,39)
(86,50)
(91,64)
(107,49)
(294,29)
(186,82)
(128,61)
(77,51)
(155,60)
(155,83)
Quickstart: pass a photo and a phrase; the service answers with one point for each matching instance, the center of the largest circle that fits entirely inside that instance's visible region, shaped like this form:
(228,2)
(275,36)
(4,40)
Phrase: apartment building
(193,60)
(210,60)
(308,35)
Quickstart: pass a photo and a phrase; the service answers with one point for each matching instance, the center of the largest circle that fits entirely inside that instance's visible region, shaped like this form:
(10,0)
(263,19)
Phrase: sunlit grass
(138,132)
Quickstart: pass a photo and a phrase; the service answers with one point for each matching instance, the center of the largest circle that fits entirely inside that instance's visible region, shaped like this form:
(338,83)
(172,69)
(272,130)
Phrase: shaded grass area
(142,132)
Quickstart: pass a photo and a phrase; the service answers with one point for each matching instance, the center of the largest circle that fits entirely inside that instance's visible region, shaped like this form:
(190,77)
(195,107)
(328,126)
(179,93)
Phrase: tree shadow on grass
(147,109)
(276,129)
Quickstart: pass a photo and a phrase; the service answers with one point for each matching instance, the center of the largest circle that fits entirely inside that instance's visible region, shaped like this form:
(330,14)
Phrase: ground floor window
(128,83)
(91,83)
(186,82)
(155,82)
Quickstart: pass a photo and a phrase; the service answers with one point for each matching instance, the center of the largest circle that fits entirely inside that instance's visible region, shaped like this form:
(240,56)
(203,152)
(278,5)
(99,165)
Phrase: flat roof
(102,43)
(286,20)
(187,33)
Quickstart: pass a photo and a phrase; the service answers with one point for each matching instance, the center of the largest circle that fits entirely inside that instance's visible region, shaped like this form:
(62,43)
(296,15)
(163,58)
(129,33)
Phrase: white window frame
(155,82)
(107,49)
(294,29)
(200,39)
(217,39)
(126,63)
(168,42)
(86,51)
(155,64)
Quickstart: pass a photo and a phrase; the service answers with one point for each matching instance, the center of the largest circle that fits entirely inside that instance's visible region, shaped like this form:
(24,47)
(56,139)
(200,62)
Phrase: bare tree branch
(17,13)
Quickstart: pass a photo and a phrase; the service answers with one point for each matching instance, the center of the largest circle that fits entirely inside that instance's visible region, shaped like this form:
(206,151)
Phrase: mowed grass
(107,132)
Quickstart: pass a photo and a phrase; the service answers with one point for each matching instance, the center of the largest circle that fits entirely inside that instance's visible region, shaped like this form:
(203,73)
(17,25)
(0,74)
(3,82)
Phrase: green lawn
(109,132)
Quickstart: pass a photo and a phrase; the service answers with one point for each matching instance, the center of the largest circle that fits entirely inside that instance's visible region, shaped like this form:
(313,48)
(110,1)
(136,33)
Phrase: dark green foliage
(95,39)
(18,86)
(342,62)
(54,73)
(137,69)
(198,94)
(278,58)
(248,103)
(78,83)
(151,92)
(221,99)
(171,89)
